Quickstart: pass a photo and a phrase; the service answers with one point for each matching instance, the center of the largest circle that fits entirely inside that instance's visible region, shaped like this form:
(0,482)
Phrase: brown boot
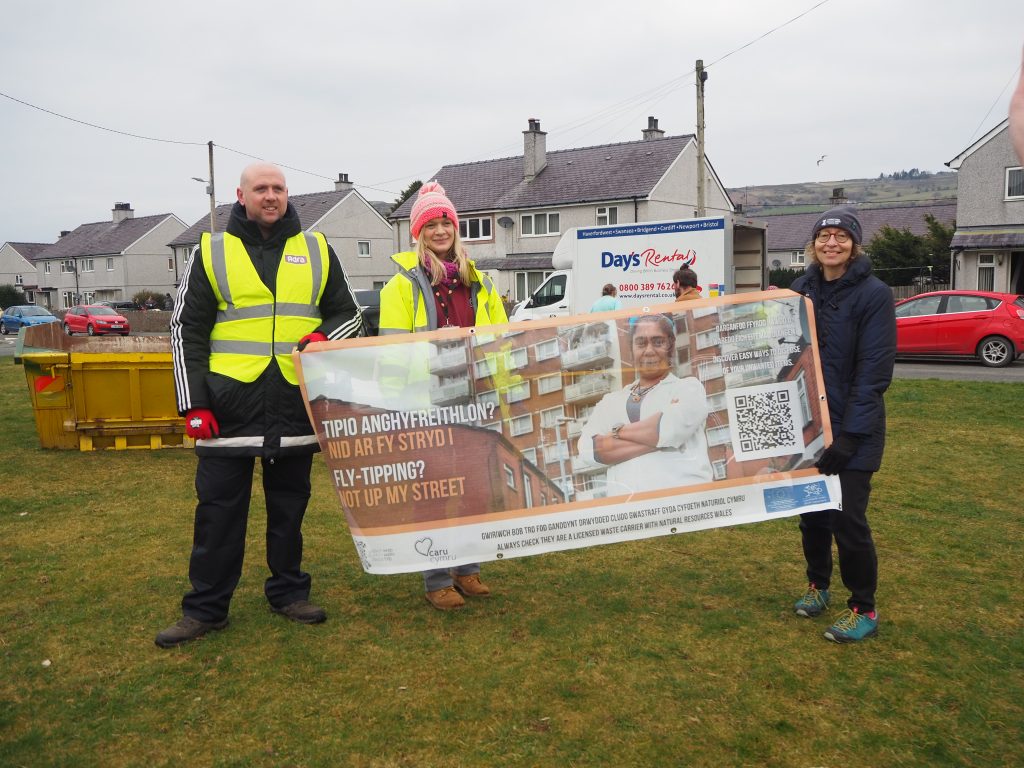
(471,586)
(445,599)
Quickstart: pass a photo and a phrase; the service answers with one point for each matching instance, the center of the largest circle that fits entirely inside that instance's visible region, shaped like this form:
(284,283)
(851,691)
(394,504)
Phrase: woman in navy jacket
(856,328)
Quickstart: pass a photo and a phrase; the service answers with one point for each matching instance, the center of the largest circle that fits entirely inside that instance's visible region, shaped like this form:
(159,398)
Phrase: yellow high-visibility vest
(252,325)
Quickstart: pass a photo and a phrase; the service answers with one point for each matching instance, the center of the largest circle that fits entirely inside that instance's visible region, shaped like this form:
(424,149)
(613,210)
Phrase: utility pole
(702,77)
(213,198)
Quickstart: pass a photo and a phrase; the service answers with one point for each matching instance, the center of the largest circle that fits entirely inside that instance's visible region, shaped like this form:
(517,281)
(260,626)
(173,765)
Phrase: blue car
(20,315)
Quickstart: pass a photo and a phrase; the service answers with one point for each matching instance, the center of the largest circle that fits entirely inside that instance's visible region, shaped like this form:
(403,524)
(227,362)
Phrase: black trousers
(858,562)
(224,488)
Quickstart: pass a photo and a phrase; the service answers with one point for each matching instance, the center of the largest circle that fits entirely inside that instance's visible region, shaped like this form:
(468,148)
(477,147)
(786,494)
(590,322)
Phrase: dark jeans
(858,563)
(224,488)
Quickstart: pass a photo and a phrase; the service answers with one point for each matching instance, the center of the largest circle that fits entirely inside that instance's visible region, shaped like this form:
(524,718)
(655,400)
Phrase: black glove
(838,455)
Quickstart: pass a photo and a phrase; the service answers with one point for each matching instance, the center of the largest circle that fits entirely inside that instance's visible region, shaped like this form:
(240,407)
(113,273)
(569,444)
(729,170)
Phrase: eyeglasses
(658,342)
(824,237)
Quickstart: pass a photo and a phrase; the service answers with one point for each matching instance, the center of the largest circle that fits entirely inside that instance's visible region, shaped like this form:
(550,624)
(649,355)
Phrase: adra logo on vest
(291,259)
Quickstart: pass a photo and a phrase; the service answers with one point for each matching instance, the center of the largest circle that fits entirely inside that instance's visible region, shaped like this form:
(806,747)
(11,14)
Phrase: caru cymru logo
(425,547)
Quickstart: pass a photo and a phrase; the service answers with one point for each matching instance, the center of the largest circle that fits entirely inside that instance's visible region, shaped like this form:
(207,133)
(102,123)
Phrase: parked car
(982,324)
(95,320)
(18,315)
(369,304)
(120,306)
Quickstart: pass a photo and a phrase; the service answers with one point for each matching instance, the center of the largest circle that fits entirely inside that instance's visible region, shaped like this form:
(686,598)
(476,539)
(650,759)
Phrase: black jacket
(266,417)
(856,323)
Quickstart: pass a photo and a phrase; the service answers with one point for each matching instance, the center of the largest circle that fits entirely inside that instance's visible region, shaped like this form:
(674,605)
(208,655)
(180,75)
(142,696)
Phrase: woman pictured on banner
(437,286)
(650,434)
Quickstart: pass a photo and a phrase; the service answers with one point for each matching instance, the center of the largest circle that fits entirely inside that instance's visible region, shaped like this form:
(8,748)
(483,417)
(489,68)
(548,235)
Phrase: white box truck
(727,252)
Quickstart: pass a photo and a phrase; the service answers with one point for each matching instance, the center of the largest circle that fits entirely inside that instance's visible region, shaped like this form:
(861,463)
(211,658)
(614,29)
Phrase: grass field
(677,651)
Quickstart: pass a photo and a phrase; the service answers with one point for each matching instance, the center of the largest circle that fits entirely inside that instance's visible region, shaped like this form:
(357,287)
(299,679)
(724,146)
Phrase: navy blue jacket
(856,324)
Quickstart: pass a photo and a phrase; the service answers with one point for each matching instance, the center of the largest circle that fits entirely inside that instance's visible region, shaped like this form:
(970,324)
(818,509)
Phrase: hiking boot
(445,599)
(852,626)
(303,612)
(471,586)
(187,629)
(813,603)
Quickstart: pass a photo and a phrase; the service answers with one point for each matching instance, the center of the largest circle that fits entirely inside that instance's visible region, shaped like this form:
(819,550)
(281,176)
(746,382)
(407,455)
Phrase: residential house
(354,227)
(789,233)
(109,260)
(513,210)
(988,246)
(17,267)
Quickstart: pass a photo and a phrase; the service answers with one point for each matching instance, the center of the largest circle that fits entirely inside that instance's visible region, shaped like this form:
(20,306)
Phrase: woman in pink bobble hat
(438,286)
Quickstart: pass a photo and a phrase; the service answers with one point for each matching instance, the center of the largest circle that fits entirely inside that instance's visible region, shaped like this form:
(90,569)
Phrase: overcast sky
(389,92)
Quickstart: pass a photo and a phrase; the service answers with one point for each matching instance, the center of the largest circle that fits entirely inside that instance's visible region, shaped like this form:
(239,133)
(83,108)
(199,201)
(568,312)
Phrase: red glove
(309,338)
(200,424)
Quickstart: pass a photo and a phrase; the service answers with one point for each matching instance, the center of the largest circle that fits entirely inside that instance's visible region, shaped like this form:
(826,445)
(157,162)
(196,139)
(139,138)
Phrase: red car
(981,324)
(95,320)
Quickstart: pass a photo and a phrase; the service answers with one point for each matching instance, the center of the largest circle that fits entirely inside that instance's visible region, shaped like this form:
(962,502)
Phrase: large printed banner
(467,445)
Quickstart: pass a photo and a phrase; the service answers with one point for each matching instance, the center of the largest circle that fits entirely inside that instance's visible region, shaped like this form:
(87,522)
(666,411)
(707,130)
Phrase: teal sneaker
(813,603)
(852,626)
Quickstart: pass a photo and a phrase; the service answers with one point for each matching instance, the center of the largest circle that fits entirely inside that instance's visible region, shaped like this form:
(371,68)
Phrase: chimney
(343,184)
(652,131)
(64,232)
(838,198)
(535,155)
(123,211)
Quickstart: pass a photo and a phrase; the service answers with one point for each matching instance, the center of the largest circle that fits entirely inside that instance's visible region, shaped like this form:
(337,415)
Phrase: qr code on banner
(765,420)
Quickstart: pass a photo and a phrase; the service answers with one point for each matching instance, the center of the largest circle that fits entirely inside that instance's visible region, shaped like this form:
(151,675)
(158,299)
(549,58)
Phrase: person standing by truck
(437,286)
(685,284)
(856,326)
(608,300)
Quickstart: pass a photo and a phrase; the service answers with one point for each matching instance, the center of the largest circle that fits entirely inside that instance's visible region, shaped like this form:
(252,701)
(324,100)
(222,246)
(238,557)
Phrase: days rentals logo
(649,257)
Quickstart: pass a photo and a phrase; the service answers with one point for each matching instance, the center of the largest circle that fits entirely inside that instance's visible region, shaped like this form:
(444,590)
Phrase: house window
(485,367)
(87,265)
(521,425)
(475,229)
(19,279)
(607,215)
(549,384)
(719,435)
(530,454)
(170,263)
(518,358)
(1014,183)
(528,282)
(798,259)
(67,265)
(551,416)
(363,248)
(489,397)
(536,224)
(67,298)
(707,339)
(510,477)
(110,263)
(547,350)
(46,267)
(517,392)
(805,403)
(986,272)
(527,490)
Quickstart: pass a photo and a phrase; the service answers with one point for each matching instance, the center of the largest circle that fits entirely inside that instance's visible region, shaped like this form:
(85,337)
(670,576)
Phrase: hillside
(814,196)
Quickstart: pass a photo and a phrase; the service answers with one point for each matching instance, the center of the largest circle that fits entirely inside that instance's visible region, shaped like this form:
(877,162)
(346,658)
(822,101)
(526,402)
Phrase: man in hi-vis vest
(248,297)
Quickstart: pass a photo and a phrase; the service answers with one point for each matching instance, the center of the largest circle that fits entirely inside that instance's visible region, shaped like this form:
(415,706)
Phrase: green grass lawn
(677,651)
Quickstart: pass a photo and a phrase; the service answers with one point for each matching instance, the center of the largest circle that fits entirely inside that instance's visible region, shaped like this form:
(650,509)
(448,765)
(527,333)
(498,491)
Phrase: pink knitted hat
(430,204)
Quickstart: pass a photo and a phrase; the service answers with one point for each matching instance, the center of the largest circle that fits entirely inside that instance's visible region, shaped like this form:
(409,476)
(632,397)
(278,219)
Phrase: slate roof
(1006,236)
(102,238)
(30,250)
(586,174)
(792,231)
(311,208)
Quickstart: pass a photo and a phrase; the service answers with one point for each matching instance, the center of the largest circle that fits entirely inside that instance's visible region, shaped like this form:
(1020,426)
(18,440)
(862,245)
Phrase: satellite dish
(776,264)
(505,222)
